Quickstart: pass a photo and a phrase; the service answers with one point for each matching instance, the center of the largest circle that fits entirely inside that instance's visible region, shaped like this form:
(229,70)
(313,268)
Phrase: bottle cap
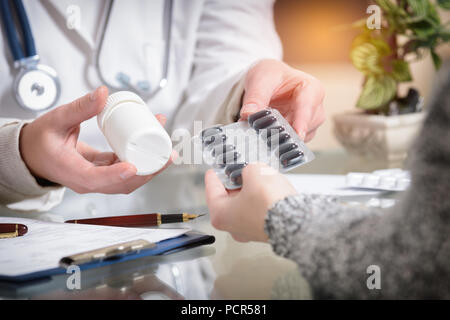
(115,99)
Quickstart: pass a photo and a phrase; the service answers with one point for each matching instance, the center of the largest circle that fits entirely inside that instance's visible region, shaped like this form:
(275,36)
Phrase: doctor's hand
(297,95)
(50,148)
(242,212)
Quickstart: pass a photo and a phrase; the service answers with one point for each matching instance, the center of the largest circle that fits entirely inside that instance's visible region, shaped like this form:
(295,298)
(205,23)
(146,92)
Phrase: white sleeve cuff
(231,107)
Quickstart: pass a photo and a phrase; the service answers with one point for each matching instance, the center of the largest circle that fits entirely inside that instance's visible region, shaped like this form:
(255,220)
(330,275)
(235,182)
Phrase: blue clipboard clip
(109,252)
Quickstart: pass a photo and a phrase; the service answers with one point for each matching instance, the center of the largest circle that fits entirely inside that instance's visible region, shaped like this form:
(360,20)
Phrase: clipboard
(189,240)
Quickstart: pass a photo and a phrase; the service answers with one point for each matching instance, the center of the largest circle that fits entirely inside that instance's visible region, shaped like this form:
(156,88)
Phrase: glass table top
(224,270)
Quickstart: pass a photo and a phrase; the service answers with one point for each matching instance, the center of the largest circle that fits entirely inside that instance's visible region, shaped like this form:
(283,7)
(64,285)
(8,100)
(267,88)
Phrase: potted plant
(387,123)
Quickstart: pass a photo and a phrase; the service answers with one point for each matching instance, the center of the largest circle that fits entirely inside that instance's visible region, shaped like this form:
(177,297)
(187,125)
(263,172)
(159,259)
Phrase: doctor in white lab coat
(224,63)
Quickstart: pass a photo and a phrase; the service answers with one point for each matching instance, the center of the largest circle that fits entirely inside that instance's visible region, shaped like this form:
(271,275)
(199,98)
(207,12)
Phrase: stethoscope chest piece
(36,86)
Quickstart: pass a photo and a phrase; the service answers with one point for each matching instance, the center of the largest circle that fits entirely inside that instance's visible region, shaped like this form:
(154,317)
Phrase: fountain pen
(140,220)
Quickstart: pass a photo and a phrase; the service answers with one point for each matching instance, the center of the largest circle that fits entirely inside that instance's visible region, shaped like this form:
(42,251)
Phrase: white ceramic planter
(377,137)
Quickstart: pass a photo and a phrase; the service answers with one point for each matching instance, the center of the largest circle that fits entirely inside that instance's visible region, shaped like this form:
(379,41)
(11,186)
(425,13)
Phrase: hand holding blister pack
(266,137)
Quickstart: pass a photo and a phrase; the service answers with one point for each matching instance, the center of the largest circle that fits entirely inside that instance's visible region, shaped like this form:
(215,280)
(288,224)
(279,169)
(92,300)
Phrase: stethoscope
(37,87)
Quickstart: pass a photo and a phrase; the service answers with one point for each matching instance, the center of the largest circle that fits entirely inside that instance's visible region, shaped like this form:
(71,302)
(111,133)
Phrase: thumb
(162,119)
(82,109)
(258,93)
(214,188)
(255,174)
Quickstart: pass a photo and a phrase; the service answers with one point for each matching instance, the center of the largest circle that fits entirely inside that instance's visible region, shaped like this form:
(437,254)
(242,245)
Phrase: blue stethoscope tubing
(145,92)
(35,79)
(36,86)
(11,35)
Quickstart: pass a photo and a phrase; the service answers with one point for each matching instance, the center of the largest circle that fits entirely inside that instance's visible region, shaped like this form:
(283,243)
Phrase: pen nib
(190,216)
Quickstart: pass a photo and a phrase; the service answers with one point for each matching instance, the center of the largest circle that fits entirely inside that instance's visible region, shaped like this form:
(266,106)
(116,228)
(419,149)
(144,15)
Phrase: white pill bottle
(134,133)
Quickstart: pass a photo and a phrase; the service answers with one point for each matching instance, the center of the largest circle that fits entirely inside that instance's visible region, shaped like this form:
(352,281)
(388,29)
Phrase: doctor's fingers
(310,136)
(308,108)
(94,156)
(129,185)
(162,119)
(317,120)
(72,114)
(84,177)
(260,85)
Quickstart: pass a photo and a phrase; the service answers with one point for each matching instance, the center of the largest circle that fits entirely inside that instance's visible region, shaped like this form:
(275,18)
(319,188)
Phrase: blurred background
(312,43)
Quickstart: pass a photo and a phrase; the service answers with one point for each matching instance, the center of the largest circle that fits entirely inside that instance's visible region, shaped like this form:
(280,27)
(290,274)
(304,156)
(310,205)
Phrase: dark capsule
(233,167)
(210,132)
(278,139)
(222,149)
(291,158)
(258,115)
(264,123)
(273,131)
(215,139)
(236,177)
(226,158)
(286,148)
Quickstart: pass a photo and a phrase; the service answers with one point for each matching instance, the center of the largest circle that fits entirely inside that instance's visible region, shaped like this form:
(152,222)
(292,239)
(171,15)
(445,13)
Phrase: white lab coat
(213,43)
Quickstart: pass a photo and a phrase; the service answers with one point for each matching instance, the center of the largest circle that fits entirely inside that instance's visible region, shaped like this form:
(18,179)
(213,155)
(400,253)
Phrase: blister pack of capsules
(266,137)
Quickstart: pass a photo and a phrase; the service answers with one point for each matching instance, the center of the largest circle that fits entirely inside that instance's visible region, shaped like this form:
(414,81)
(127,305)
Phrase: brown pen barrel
(122,221)
(12,229)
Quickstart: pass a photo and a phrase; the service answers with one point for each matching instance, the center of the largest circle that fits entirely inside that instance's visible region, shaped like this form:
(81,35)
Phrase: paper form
(46,243)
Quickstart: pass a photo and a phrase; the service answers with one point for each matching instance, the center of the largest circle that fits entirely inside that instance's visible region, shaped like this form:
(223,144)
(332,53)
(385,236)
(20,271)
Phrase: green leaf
(382,46)
(433,16)
(425,21)
(401,71)
(423,29)
(366,59)
(392,9)
(377,92)
(361,39)
(437,61)
(395,16)
(445,35)
(419,7)
(445,4)
(387,5)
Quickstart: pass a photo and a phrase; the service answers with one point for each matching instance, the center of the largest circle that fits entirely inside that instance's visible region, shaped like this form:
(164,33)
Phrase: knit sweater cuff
(288,217)
(16,181)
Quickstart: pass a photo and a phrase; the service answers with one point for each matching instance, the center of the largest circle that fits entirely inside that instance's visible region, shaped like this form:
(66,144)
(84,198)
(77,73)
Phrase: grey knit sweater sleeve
(336,245)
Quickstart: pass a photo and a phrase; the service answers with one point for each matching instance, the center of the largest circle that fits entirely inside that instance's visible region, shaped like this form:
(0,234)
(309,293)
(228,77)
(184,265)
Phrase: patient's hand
(50,148)
(242,213)
(297,95)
